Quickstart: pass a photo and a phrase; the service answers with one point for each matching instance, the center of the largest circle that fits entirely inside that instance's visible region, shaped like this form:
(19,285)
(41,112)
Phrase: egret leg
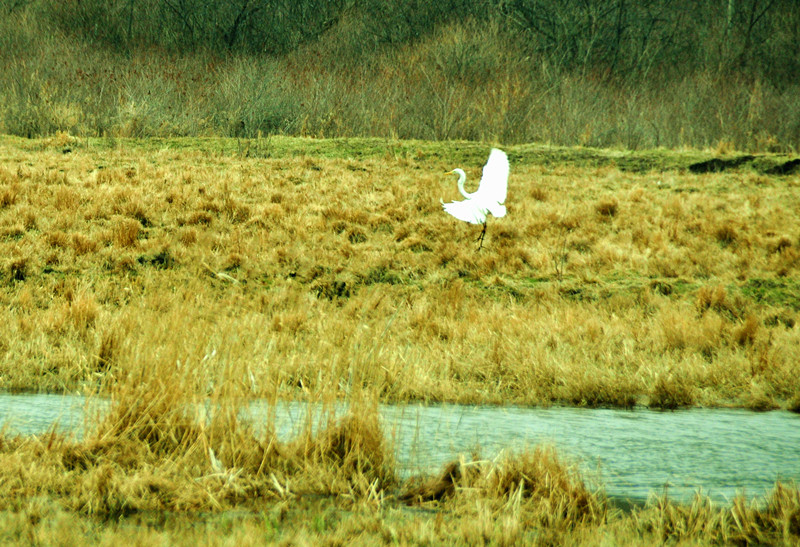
(480,237)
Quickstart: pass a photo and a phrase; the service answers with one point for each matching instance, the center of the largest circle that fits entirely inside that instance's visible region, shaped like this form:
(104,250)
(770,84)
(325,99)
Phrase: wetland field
(166,272)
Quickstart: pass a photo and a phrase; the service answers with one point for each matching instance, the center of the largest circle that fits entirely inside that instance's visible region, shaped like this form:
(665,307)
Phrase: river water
(630,453)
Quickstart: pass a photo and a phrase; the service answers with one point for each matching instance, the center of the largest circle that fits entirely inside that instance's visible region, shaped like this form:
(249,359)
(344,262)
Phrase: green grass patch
(775,292)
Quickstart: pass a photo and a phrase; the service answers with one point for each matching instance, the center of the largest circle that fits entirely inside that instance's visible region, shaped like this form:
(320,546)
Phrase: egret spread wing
(465,210)
(494,181)
(490,196)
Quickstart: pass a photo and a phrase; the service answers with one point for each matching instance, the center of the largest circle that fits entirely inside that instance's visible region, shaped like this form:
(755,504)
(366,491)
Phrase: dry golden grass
(311,272)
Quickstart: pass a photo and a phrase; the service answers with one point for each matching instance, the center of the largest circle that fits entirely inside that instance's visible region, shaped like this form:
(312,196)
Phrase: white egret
(490,196)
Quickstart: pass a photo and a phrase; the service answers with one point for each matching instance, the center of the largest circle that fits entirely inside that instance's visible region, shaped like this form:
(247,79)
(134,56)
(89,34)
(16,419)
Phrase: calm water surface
(631,453)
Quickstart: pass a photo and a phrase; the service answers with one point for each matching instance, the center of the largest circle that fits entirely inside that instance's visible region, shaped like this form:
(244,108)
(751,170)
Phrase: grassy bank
(303,268)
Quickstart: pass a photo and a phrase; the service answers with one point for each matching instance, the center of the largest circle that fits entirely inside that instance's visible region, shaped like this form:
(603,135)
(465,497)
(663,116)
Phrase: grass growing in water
(153,472)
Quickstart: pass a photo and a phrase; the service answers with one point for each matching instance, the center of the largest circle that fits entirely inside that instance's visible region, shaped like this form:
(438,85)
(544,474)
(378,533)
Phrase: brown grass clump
(746,333)
(18,268)
(107,350)
(539,194)
(744,522)
(83,244)
(794,403)
(353,450)
(760,400)
(607,207)
(783,243)
(715,298)
(8,195)
(187,236)
(436,489)
(83,311)
(671,392)
(548,483)
(726,233)
(151,418)
(66,199)
(126,232)
(58,239)
(594,392)
(536,487)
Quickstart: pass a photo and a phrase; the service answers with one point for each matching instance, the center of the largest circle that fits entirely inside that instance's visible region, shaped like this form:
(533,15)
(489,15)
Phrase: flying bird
(490,196)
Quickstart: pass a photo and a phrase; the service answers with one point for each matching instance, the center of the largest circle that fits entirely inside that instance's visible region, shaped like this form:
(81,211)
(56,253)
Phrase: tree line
(607,37)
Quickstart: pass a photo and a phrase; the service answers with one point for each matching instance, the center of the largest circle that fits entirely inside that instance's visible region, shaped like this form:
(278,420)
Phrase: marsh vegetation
(328,266)
(247,259)
(166,273)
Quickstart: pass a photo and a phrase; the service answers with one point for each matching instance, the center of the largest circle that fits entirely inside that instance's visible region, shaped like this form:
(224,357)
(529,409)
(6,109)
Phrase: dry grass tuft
(8,195)
(151,419)
(715,298)
(66,199)
(436,489)
(747,332)
(536,481)
(83,244)
(742,523)
(607,207)
(541,476)
(289,322)
(18,268)
(83,311)
(187,236)
(356,235)
(760,399)
(353,450)
(108,349)
(783,243)
(607,391)
(794,403)
(726,233)
(669,521)
(58,239)
(15,231)
(197,218)
(538,193)
(126,232)
(671,392)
